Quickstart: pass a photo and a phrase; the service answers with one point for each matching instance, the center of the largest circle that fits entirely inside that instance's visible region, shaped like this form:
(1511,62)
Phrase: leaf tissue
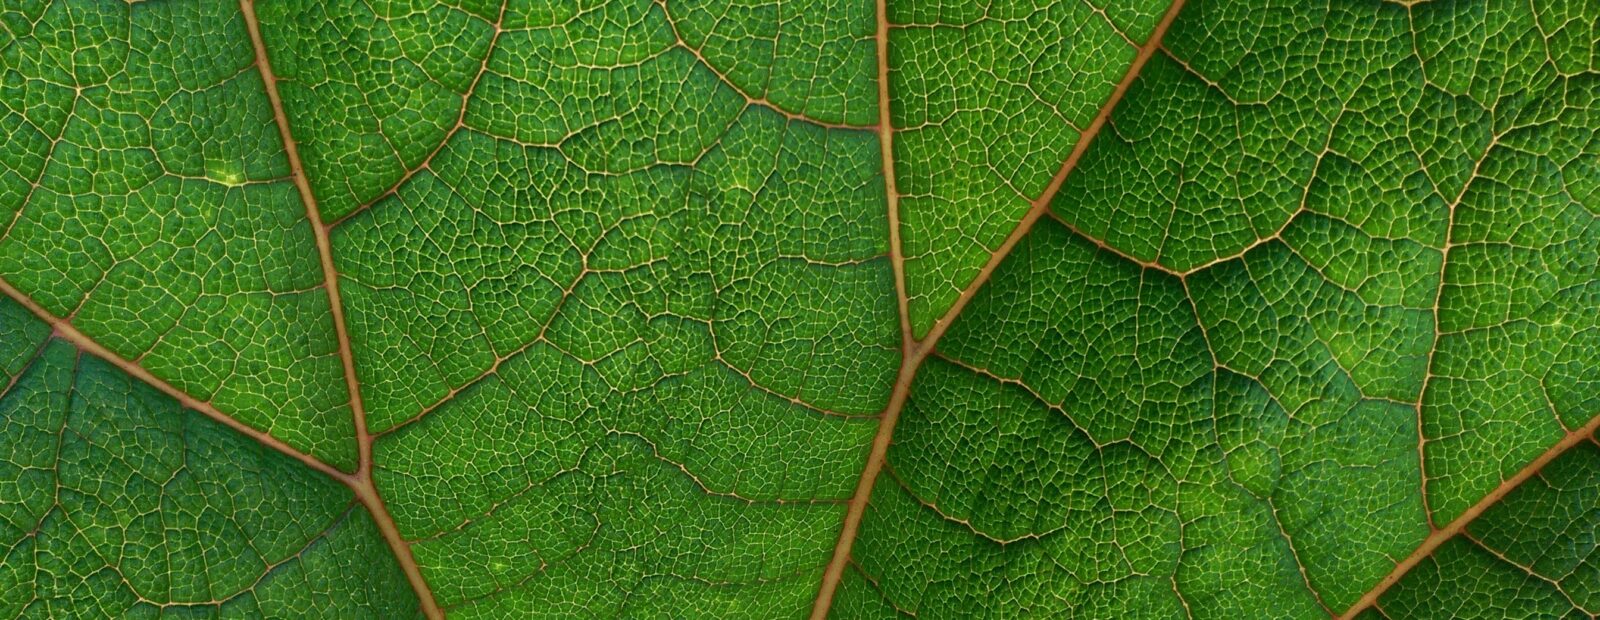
(788,308)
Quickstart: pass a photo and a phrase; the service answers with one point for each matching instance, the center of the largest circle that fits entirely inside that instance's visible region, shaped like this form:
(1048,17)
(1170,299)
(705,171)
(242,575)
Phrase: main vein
(361,483)
(915,351)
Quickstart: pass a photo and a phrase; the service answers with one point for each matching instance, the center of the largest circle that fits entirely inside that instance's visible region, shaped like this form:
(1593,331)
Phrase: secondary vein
(361,483)
(66,331)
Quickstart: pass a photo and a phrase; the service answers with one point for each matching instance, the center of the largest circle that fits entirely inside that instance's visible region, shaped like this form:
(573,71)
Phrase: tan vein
(869,476)
(361,482)
(916,351)
(1441,535)
(65,331)
(1041,205)
(910,355)
(324,248)
(1438,297)
(1436,535)
(897,255)
(750,98)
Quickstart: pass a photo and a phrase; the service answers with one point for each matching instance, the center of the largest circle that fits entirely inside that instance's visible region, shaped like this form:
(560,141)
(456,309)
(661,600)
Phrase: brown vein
(1436,535)
(461,123)
(361,482)
(750,98)
(65,331)
(1041,205)
(910,355)
(1457,526)
(897,255)
(917,350)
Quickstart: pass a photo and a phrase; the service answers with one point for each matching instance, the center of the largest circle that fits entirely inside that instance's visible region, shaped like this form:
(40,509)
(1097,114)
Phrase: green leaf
(758,308)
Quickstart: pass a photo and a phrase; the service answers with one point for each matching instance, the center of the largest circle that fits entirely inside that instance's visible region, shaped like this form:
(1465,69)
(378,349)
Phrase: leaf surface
(759,309)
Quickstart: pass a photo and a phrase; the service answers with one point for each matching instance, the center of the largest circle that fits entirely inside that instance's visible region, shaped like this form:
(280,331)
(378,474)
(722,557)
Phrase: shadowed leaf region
(117,502)
(1294,318)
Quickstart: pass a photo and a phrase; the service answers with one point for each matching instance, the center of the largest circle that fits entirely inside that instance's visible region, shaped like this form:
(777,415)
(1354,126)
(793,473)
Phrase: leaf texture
(760,308)
(119,503)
